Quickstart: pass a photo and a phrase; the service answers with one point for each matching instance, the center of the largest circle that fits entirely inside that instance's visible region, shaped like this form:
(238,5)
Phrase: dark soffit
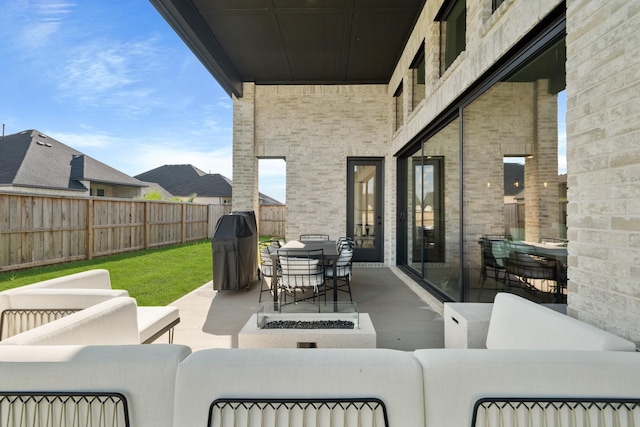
(294,41)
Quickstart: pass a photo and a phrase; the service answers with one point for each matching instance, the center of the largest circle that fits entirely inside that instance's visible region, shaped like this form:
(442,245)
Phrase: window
(453,30)
(399,108)
(417,78)
(100,192)
(516,115)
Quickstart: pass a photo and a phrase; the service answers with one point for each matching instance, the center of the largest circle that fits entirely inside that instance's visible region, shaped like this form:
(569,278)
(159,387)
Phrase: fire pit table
(302,326)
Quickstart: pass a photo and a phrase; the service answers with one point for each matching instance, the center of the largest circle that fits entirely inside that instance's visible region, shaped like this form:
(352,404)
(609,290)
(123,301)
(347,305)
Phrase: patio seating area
(402,319)
(580,375)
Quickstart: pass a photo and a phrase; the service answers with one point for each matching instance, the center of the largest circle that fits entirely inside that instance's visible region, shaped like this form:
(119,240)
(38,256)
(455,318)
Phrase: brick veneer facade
(316,128)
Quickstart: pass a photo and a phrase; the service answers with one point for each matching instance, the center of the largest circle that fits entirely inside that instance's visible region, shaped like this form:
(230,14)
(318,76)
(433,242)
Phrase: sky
(111,79)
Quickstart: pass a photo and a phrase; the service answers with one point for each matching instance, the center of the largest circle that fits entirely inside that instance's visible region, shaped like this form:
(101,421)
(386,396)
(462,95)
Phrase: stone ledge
(252,337)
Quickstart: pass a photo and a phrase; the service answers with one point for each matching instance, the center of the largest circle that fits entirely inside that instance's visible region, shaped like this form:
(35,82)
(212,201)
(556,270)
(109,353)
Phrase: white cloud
(80,141)
(112,74)
(44,19)
(146,157)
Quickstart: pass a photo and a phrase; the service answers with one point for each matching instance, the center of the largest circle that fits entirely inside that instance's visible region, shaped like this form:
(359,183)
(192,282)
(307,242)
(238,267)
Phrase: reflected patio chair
(267,270)
(493,251)
(302,275)
(532,271)
(314,237)
(343,270)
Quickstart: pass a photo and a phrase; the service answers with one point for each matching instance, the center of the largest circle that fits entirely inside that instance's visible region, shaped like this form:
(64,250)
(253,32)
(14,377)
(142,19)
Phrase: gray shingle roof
(33,159)
(184,180)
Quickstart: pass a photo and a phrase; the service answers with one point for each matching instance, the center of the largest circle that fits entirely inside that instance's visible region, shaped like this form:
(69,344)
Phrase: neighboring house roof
(185,180)
(33,159)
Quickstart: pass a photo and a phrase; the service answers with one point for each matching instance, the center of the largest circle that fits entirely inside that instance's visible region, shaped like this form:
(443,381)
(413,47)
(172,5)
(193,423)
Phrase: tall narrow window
(398,101)
(418,78)
(453,30)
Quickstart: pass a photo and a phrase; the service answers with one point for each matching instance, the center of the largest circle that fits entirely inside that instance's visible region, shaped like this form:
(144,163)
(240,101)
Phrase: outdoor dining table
(554,251)
(330,252)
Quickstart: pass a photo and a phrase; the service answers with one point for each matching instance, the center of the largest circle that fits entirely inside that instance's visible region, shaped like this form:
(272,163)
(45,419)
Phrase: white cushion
(454,379)
(53,298)
(301,272)
(93,279)
(517,323)
(390,375)
(152,320)
(145,374)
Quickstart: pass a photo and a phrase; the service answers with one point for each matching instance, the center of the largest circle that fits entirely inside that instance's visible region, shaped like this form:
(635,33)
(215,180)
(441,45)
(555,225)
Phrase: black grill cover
(235,251)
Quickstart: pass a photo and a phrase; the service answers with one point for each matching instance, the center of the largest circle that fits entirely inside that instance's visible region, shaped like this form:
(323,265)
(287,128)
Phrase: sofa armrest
(113,321)
(90,279)
(153,322)
(35,307)
(517,323)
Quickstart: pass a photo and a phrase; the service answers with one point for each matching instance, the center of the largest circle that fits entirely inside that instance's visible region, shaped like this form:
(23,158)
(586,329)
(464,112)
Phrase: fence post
(146,224)
(184,223)
(90,228)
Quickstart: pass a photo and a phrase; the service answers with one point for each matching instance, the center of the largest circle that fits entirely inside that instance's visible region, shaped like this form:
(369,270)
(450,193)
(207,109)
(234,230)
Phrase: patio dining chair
(532,271)
(267,268)
(345,242)
(493,251)
(343,270)
(302,275)
(314,237)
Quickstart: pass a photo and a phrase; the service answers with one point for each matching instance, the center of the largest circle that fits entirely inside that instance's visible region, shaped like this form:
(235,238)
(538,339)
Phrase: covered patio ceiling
(294,41)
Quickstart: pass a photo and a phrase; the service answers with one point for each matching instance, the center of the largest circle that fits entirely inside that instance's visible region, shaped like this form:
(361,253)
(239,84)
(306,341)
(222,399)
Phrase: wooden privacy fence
(40,229)
(272,220)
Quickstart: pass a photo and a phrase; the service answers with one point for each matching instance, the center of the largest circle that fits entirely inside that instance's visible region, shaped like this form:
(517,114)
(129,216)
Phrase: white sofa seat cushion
(113,321)
(154,321)
(145,375)
(517,323)
(301,273)
(389,375)
(454,379)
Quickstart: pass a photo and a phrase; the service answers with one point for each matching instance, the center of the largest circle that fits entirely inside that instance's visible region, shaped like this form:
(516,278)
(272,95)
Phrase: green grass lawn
(153,277)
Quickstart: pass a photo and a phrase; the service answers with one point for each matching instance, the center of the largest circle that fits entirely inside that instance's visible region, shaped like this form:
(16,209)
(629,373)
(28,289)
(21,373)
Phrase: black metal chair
(314,237)
(345,242)
(493,250)
(267,269)
(529,268)
(343,270)
(302,274)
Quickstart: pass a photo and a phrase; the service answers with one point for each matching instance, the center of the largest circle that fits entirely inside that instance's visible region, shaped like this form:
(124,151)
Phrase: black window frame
(452,17)
(417,68)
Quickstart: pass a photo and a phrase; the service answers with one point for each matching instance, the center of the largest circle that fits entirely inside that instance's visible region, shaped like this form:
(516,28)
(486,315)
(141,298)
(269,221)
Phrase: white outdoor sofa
(80,308)
(166,385)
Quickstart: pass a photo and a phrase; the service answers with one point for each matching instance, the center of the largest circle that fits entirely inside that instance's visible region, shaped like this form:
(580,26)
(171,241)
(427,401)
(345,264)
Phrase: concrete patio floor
(402,318)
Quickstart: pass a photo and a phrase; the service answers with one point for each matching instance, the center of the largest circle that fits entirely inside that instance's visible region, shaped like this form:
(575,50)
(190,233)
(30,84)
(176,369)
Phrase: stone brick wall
(315,129)
(603,139)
